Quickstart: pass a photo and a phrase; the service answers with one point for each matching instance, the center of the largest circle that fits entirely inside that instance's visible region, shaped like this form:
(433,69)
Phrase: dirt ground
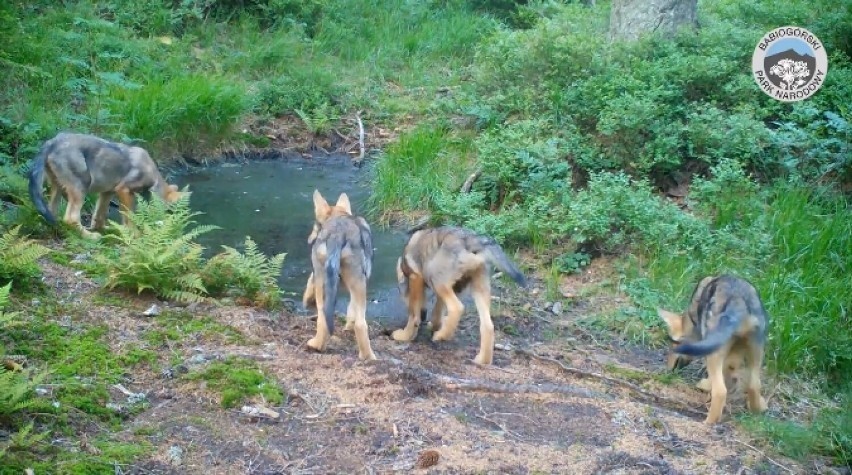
(422,403)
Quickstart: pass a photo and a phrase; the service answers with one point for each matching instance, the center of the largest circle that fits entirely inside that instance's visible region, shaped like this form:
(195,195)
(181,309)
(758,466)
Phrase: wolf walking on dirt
(448,260)
(79,164)
(725,322)
(341,250)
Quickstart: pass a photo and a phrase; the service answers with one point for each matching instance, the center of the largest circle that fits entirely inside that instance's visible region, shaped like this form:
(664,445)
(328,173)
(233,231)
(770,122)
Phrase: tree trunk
(629,19)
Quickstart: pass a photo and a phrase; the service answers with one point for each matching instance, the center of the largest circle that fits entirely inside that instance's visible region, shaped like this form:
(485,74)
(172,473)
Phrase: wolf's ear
(320,206)
(674,322)
(343,202)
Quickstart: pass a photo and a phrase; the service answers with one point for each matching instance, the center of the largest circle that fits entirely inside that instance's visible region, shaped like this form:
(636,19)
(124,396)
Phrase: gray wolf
(79,164)
(726,323)
(448,260)
(341,250)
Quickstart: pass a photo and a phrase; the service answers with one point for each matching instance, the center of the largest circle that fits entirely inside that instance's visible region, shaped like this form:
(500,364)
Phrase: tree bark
(630,19)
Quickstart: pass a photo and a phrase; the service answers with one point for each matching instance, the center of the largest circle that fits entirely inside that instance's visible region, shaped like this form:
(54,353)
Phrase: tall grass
(415,170)
(807,284)
(184,114)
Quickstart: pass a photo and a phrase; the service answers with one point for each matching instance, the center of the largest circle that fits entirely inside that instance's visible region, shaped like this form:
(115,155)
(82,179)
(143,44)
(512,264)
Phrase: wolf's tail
(494,253)
(37,182)
(332,277)
(717,337)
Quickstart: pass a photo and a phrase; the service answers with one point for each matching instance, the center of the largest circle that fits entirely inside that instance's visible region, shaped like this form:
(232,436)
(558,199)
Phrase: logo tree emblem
(793,74)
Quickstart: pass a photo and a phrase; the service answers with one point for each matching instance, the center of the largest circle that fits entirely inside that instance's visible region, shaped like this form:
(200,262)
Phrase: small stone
(176,455)
(256,411)
(557,308)
(152,311)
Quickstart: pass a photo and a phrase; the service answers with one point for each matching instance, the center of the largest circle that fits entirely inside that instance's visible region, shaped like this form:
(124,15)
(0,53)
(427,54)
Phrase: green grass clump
(416,169)
(173,328)
(237,380)
(186,114)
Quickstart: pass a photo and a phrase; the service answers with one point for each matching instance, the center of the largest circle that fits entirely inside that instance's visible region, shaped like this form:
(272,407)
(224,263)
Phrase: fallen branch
(773,462)
(466,186)
(360,137)
(663,401)
(464,384)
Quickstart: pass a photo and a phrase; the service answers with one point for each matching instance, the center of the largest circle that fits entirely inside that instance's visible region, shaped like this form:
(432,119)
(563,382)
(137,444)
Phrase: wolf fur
(727,324)
(341,250)
(448,260)
(79,164)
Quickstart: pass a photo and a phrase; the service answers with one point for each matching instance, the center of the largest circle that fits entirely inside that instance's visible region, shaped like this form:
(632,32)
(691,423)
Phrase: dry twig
(360,138)
(659,400)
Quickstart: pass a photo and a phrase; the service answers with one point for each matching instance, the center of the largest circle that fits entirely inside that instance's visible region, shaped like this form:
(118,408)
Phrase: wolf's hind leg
(358,303)
(101,209)
(754,359)
(437,314)
(72,213)
(482,297)
(309,298)
(455,308)
(415,303)
(320,340)
(718,390)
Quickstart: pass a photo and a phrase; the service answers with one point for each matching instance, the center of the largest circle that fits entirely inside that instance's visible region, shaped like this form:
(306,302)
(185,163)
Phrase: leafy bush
(156,252)
(657,106)
(616,213)
(251,275)
(19,256)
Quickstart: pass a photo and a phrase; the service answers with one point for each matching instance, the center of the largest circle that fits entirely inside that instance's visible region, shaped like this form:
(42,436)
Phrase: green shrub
(19,257)
(250,275)
(616,213)
(156,252)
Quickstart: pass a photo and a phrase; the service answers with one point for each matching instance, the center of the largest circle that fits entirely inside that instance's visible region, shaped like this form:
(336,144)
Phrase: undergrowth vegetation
(662,153)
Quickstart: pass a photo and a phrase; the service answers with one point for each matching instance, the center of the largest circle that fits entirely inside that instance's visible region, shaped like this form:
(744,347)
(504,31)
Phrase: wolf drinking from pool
(79,164)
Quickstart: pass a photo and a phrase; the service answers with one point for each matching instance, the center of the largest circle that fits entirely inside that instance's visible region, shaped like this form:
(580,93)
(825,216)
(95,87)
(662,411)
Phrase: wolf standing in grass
(79,164)
(341,250)
(726,323)
(448,260)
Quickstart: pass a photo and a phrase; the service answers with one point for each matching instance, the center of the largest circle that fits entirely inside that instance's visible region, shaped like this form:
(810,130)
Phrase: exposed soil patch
(341,415)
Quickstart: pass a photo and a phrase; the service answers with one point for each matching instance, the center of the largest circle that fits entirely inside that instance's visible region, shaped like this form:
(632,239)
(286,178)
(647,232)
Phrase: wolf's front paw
(316,344)
(91,235)
(482,360)
(368,356)
(401,335)
(442,335)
